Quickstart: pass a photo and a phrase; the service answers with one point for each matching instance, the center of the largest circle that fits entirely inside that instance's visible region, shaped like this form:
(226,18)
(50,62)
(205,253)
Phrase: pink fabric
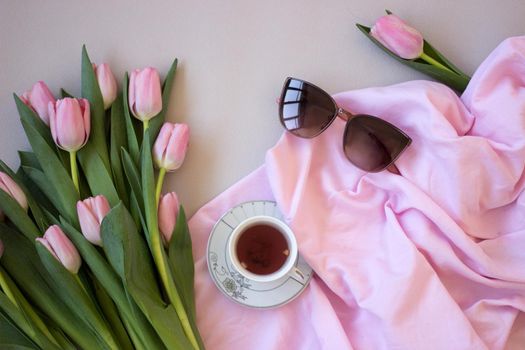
(431,259)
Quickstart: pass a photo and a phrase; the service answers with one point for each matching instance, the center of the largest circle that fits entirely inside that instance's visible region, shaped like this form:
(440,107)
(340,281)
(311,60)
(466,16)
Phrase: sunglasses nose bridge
(343,114)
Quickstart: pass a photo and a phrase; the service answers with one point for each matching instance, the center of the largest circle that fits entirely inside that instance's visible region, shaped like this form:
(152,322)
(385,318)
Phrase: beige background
(234,56)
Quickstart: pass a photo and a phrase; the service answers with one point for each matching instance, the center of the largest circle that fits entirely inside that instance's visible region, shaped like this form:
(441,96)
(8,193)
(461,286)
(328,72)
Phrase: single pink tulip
(70,123)
(144,94)
(107,83)
(398,37)
(91,212)
(62,248)
(38,99)
(171,145)
(168,211)
(11,188)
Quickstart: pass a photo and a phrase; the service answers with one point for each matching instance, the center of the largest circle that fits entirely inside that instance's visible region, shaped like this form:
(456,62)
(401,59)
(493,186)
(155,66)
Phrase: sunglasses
(370,143)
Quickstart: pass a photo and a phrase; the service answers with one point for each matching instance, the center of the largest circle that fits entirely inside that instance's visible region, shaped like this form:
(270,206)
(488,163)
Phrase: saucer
(235,286)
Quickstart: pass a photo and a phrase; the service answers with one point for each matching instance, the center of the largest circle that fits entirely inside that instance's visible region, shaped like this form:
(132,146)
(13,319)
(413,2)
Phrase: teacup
(264,249)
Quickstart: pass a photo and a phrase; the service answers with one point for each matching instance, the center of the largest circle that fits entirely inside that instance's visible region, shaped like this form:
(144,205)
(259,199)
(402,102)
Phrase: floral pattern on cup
(233,282)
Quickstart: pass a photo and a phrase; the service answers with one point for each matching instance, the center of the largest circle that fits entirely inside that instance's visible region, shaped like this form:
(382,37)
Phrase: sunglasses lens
(305,110)
(372,144)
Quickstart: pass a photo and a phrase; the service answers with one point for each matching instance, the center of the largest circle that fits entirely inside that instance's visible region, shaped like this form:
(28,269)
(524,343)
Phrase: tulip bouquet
(407,46)
(92,255)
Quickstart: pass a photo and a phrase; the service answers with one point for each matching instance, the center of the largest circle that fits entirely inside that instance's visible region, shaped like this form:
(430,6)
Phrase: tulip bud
(107,83)
(70,123)
(38,99)
(398,37)
(145,97)
(168,211)
(91,212)
(62,248)
(11,188)
(171,145)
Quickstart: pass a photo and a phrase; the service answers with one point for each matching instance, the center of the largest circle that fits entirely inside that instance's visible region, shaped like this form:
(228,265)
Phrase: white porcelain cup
(288,269)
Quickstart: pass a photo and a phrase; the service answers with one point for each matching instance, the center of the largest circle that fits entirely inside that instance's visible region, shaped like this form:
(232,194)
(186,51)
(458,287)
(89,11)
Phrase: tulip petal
(46,244)
(177,146)
(39,98)
(132,91)
(145,94)
(107,83)
(168,211)
(89,224)
(11,187)
(63,249)
(161,144)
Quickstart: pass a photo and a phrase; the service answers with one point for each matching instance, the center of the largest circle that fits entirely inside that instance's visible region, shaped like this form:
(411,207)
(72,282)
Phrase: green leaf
(64,94)
(182,268)
(128,254)
(18,216)
(91,91)
(55,173)
(30,117)
(181,262)
(438,56)
(98,178)
(456,81)
(19,251)
(112,283)
(29,159)
(17,312)
(11,337)
(133,177)
(33,205)
(156,123)
(39,179)
(131,133)
(148,185)
(78,300)
(118,141)
(111,313)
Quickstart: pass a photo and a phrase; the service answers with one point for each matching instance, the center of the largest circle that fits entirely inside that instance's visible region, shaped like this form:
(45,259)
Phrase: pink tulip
(168,211)
(70,123)
(398,37)
(107,83)
(61,247)
(38,99)
(11,188)
(171,145)
(91,212)
(145,98)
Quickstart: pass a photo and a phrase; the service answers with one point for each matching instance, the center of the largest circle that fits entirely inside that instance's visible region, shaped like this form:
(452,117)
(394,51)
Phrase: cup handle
(297,275)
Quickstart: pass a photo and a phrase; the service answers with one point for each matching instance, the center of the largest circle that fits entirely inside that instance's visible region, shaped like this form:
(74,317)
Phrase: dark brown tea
(262,249)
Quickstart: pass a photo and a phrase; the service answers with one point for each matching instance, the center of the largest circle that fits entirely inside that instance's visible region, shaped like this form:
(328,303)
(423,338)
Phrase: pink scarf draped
(433,258)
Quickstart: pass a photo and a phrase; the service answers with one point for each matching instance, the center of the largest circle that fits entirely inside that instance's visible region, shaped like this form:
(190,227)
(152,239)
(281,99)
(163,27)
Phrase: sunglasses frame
(345,115)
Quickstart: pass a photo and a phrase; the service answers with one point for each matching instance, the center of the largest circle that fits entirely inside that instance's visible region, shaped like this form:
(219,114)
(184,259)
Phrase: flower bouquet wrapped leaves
(92,255)
(406,45)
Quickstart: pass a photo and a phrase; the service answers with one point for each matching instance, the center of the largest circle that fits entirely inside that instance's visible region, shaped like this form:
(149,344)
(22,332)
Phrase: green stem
(145,123)
(24,306)
(160,182)
(5,287)
(171,290)
(74,168)
(81,284)
(435,63)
